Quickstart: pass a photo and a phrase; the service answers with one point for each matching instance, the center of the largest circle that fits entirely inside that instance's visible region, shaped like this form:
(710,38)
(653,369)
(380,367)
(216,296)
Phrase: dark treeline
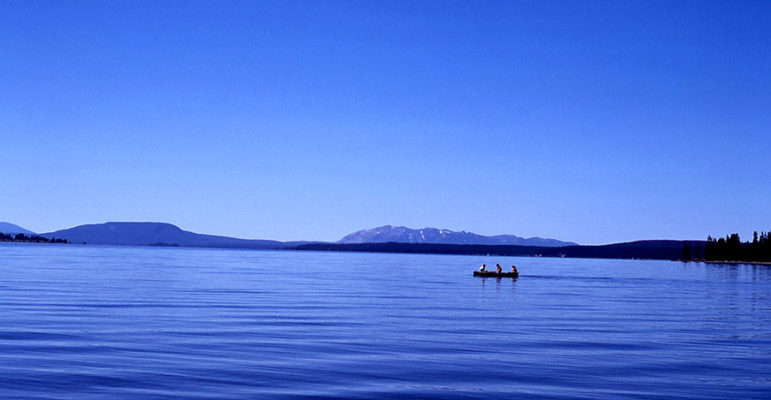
(731,248)
(20,237)
(646,249)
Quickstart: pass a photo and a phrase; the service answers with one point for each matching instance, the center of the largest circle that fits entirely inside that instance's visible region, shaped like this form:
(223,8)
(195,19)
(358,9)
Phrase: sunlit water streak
(122,322)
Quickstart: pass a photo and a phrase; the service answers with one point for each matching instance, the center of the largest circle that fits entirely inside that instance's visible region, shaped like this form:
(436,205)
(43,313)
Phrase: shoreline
(732,262)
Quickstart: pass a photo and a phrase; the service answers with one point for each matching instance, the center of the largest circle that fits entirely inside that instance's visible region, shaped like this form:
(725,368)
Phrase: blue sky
(587,121)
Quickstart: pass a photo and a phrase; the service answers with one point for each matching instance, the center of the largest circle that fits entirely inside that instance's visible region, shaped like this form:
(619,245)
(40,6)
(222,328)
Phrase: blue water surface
(92,322)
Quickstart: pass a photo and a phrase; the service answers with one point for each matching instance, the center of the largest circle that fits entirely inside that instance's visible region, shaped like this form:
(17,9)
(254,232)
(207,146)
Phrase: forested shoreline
(644,249)
(731,248)
(20,237)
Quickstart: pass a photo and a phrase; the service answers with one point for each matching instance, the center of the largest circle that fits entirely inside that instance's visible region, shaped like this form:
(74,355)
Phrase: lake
(93,322)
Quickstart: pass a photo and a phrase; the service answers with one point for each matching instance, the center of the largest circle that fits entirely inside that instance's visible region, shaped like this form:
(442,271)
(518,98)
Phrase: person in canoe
(498,268)
(482,268)
(514,270)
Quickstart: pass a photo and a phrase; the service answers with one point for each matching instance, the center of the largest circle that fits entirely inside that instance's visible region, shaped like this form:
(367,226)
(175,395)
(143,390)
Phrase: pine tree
(686,254)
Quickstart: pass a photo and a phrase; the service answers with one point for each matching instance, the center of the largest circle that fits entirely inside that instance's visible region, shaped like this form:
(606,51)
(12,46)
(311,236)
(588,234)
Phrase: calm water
(120,322)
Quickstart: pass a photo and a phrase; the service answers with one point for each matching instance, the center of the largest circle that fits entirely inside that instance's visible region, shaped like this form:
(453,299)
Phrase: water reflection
(755,272)
(761,272)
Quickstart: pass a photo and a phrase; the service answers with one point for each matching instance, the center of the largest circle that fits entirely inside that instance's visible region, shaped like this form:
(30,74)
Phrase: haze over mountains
(401,234)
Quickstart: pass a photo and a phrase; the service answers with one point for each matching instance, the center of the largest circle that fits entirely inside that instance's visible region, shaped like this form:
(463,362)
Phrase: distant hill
(644,249)
(155,234)
(9,228)
(401,234)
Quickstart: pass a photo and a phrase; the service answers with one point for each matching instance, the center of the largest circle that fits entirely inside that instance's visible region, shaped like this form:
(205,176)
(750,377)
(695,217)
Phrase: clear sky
(587,121)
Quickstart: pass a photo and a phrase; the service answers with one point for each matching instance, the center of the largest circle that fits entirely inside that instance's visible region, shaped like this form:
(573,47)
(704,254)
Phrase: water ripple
(134,323)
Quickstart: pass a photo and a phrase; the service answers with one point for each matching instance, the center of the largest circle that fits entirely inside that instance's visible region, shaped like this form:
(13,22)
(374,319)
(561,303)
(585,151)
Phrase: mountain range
(384,239)
(164,234)
(401,234)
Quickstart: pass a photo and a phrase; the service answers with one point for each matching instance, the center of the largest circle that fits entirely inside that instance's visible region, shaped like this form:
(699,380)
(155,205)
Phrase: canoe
(493,274)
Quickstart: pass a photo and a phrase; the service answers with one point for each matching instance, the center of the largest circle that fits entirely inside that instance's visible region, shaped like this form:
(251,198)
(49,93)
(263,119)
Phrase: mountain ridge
(402,234)
(155,234)
(9,228)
